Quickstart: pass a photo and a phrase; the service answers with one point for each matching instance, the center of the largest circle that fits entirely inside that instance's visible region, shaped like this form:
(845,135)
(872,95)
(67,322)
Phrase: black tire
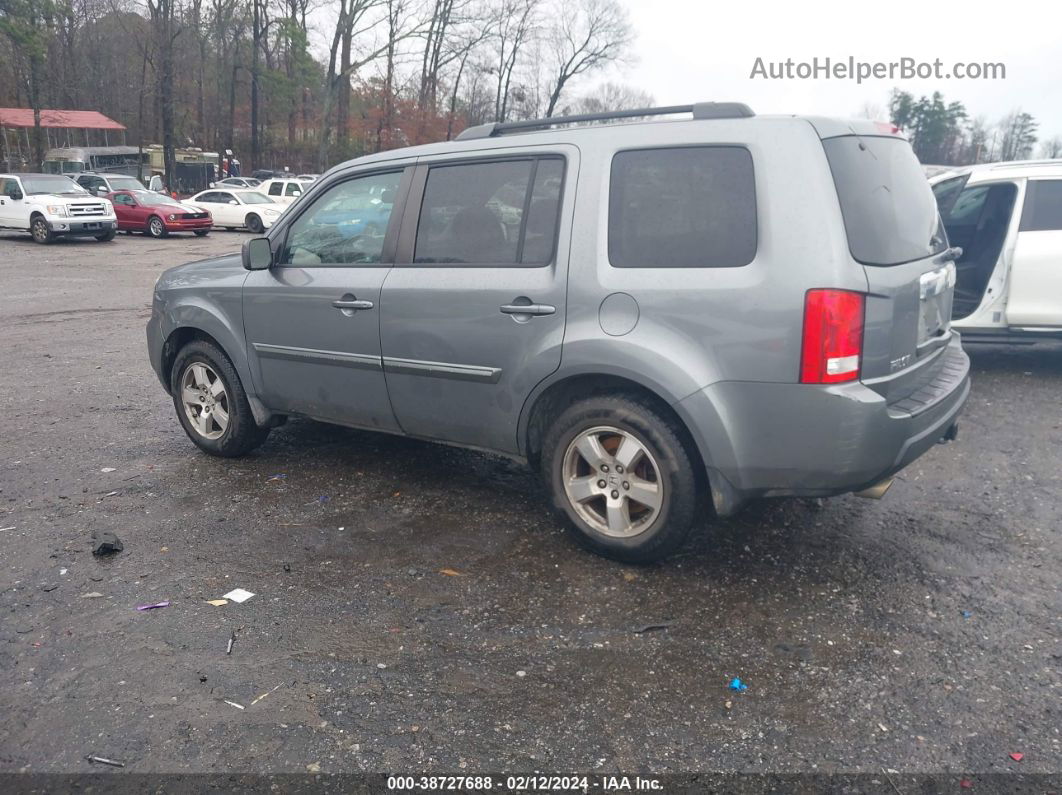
(230,228)
(676,470)
(156,228)
(40,230)
(242,434)
(254,223)
(202,232)
(106,237)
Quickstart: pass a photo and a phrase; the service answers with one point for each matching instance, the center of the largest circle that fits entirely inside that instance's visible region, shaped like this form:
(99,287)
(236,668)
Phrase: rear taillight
(833,337)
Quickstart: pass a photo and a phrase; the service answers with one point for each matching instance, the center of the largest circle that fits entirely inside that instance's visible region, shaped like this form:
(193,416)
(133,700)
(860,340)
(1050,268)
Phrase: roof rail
(700,110)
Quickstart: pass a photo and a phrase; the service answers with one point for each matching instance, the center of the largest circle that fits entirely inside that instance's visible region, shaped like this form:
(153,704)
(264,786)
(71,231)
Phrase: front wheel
(624,475)
(42,233)
(254,223)
(156,228)
(211,403)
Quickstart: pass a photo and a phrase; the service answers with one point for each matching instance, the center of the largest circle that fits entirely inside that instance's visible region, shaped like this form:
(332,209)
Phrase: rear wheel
(254,223)
(624,476)
(156,228)
(211,403)
(42,233)
(106,237)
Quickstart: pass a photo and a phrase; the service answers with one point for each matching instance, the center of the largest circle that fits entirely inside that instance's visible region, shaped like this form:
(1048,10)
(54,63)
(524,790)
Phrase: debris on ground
(651,628)
(883,727)
(92,595)
(217,602)
(108,469)
(102,760)
(232,639)
(49,588)
(728,704)
(967,614)
(106,544)
(737,685)
(451,572)
(1017,757)
(62,572)
(238,595)
(264,695)
(278,476)
(155,606)
(966,783)
(5,529)
(521,674)
(234,704)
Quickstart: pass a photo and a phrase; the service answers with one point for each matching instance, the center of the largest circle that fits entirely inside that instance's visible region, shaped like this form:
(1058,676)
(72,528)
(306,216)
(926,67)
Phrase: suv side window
(275,188)
(293,189)
(682,207)
(345,225)
(1043,206)
(501,212)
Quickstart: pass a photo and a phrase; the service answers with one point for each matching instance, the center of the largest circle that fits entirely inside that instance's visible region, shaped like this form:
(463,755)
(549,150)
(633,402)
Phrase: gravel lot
(919,633)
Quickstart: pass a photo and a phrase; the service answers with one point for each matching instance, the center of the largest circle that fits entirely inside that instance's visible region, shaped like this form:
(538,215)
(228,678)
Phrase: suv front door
(312,320)
(1035,297)
(481,239)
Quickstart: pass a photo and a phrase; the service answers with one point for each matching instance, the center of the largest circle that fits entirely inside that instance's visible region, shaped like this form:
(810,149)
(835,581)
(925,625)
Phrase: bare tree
(613,96)
(515,25)
(586,35)
(1051,148)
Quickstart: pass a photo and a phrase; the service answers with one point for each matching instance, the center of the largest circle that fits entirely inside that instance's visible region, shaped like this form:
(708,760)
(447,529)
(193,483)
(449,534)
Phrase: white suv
(50,206)
(1007,218)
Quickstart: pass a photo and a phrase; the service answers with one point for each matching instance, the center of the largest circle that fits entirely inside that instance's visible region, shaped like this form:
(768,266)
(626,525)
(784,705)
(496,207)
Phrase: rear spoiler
(835,128)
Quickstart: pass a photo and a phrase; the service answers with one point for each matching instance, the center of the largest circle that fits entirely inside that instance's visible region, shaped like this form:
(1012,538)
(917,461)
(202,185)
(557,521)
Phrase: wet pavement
(418,608)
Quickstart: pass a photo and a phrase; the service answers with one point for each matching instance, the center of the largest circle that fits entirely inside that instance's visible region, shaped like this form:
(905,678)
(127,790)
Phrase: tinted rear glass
(682,207)
(889,211)
(1043,206)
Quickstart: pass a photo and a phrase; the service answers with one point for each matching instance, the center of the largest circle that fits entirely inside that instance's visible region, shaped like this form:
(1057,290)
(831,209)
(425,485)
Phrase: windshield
(151,199)
(254,197)
(889,211)
(43,183)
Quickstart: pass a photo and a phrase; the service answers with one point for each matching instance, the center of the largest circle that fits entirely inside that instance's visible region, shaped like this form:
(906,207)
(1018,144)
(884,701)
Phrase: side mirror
(233,201)
(102,190)
(257,254)
(212,185)
(14,194)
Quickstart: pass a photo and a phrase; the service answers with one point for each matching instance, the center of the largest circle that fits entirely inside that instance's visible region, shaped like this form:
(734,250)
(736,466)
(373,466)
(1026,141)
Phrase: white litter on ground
(238,595)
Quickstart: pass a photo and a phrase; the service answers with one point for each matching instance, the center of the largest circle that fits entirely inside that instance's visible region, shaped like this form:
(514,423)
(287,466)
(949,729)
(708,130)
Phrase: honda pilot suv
(667,316)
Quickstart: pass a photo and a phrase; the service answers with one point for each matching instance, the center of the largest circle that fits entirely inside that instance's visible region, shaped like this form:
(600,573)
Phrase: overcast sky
(691,50)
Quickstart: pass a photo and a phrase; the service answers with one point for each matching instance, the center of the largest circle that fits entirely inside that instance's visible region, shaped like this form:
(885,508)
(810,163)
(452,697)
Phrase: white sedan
(238,208)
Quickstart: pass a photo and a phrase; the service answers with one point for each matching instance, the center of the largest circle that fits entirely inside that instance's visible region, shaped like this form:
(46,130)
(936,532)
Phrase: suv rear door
(473,312)
(1035,297)
(894,232)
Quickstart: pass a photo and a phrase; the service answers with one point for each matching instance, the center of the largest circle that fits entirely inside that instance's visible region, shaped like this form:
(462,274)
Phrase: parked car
(102,184)
(51,205)
(1007,218)
(158,215)
(653,314)
(283,190)
(237,183)
(239,208)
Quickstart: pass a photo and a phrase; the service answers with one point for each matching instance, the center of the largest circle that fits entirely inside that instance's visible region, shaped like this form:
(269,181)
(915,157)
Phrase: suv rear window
(889,211)
(682,207)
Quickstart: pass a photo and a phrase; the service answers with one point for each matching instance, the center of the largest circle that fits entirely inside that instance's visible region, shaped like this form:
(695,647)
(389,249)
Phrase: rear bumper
(767,439)
(92,227)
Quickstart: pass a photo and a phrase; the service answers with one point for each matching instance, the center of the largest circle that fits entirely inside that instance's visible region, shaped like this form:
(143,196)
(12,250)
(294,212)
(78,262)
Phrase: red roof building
(59,119)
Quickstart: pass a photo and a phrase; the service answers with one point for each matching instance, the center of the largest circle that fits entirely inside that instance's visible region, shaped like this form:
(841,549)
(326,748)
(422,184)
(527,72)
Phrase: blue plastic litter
(966,614)
(738,685)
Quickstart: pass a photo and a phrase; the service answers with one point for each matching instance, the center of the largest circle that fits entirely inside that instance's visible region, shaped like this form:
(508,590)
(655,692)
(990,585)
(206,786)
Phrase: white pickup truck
(51,205)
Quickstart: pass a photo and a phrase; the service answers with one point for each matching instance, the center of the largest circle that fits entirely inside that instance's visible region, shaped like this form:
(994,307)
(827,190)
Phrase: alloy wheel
(205,400)
(612,481)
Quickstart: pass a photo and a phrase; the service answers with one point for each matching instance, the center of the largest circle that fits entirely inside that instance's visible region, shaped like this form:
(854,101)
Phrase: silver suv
(659,314)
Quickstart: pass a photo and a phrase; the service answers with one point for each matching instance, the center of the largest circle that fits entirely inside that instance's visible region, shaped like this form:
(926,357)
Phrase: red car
(156,214)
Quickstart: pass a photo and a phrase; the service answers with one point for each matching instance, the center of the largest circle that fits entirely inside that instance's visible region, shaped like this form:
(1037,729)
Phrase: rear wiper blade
(952,254)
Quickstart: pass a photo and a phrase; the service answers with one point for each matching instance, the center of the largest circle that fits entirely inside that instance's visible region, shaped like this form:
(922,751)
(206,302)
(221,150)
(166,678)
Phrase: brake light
(833,337)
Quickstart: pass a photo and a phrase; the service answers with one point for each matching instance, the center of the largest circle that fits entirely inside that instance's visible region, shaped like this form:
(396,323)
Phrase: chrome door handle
(352,304)
(528,309)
